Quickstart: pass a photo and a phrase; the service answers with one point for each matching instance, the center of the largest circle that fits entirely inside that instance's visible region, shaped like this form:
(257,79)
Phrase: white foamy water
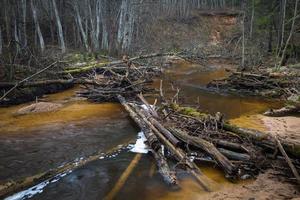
(37,189)
(140,146)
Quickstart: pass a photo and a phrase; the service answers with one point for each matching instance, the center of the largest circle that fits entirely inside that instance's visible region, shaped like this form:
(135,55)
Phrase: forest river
(35,143)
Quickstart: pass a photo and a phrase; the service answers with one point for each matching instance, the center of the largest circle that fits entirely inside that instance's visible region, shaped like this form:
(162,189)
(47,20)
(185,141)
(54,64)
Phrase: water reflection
(34,143)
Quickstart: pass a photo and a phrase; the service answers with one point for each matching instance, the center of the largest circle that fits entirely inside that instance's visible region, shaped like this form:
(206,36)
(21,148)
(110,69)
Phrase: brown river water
(34,143)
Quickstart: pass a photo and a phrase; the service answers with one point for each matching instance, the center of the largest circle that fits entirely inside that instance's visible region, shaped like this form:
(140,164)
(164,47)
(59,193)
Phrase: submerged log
(208,147)
(161,161)
(12,187)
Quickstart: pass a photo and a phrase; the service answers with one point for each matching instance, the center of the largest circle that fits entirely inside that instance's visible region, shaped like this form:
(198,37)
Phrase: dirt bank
(266,186)
(285,127)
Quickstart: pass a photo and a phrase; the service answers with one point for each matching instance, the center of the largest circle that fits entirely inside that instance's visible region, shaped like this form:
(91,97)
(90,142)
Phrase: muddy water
(34,143)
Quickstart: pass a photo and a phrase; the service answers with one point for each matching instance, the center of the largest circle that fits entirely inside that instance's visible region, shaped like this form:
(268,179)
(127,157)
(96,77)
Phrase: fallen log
(161,161)
(27,79)
(288,160)
(49,82)
(122,180)
(234,155)
(149,107)
(208,147)
(204,181)
(292,147)
(162,129)
(118,62)
(158,125)
(230,145)
(287,110)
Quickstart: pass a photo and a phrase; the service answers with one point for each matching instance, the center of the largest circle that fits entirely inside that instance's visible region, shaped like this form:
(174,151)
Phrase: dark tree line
(88,24)
(112,25)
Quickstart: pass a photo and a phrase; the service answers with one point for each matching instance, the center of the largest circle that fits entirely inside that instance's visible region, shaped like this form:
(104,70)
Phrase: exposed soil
(266,186)
(286,127)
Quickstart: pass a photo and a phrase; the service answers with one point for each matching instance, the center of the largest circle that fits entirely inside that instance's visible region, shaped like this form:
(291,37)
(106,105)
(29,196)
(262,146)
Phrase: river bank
(57,131)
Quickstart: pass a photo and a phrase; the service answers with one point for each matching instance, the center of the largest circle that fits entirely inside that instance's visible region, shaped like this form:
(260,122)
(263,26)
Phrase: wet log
(208,147)
(230,145)
(264,139)
(204,181)
(161,128)
(234,155)
(161,161)
(149,107)
(287,110)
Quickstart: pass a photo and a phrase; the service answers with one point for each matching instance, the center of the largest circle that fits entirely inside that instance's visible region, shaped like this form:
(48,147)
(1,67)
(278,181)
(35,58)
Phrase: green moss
(188,111)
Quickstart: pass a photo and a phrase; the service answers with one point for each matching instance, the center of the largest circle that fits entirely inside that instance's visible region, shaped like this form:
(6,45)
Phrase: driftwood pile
(182,136)
(127,81)
(190,139)
(260,83)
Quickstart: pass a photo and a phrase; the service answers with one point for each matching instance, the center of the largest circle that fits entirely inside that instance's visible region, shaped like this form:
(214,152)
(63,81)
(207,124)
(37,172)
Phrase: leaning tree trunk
(59,28)
(37,26)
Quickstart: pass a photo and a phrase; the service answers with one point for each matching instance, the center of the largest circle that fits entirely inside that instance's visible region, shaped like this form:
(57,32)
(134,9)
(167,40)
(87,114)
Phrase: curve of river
(34,143)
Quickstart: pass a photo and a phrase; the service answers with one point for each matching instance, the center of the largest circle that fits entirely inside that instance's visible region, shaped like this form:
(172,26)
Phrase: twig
(26,79)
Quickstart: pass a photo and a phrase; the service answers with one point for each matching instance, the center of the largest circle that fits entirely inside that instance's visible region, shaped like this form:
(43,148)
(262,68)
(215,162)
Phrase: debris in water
(140,146)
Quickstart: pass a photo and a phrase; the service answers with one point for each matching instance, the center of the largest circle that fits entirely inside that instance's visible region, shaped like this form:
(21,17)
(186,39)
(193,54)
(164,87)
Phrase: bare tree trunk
(94,27)
(16,37)
(37,26)
(290,35)
(7,22)
(252,18)
(59,28)
(24,7)
(79,22)
(51,22)
(283,25)
(104,42)
(243,42)
(98,10)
